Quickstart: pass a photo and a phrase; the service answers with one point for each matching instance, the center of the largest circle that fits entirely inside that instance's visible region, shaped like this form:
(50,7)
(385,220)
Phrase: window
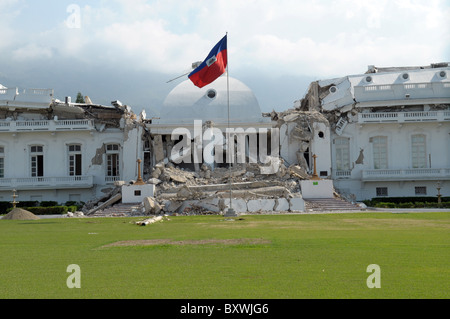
(112,160)
(342,147)
(379,146)
(2,162)
(37,161)
(112,147)
(418,151)
(382,191)
(75,160)
(420,190)
(211,94)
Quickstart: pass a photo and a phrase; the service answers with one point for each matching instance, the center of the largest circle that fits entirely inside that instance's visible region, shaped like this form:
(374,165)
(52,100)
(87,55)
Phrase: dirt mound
(20,214)
(151,242)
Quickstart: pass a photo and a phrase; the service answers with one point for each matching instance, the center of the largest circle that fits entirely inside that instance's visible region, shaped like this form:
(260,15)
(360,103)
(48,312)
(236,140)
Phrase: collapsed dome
(186,103)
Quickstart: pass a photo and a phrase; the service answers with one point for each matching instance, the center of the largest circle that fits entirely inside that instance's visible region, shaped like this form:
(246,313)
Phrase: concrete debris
(101,205)
(75,214)
(253,187)
(149,221)
(298,171)
(151,206)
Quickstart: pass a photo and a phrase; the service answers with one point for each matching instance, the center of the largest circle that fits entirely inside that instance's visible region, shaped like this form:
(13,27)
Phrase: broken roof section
(15,102)
(27,98)
(381,87)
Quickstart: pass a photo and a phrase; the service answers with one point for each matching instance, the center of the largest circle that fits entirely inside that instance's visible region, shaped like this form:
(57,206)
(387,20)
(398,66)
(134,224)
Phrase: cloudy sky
(128,50)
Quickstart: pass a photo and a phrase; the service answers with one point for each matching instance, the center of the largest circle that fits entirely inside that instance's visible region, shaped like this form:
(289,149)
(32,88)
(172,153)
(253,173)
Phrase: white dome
(186,103)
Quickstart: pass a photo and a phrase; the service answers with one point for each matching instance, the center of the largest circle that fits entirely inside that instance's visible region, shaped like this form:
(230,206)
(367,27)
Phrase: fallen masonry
(183,192)
(248,188)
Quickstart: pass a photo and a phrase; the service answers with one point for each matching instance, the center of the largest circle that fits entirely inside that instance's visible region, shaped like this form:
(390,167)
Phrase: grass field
(257,256)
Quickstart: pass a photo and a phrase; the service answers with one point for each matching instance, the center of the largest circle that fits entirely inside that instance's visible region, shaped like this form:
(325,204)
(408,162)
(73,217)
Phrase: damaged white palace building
(384,133)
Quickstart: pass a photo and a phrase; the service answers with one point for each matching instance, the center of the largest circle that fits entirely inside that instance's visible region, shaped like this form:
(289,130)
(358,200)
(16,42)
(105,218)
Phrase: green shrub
(31,203)
(431,199)
(385,205)
(79,205)
(53,210)
(72,208)
(48,204)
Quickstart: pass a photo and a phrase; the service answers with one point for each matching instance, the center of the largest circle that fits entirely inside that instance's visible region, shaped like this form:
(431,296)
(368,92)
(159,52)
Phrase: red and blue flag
(214,65)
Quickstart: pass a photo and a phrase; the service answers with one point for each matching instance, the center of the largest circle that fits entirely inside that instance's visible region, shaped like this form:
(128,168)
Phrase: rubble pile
(208,190)
(184,192)
(250,187)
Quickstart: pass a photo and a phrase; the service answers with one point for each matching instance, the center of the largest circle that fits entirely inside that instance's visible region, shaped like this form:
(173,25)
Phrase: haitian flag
(214,65)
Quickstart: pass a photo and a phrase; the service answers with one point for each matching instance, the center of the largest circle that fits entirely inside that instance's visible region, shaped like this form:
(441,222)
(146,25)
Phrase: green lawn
(280,256)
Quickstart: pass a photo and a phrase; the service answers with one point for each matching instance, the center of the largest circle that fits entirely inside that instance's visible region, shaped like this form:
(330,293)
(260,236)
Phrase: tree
(80,98)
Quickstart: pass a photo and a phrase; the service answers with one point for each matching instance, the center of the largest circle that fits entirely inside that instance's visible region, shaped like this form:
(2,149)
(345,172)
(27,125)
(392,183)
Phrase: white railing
(47,92)
(381,92)
(46,125)
(339,174)
(31,98)
(111,179)
(340,126)
(404,117)
(406,174)
(8,94)
(29,183)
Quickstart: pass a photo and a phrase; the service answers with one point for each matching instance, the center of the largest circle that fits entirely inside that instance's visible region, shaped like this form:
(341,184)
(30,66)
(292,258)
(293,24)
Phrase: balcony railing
(46,125)
(399,91)
(30,183)
(111,179)
(404,117)
(406,174)
(32,98)
(342,174)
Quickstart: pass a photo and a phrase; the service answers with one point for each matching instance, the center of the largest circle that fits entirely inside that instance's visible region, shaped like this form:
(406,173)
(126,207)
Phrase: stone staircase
(118,210)
(330,204)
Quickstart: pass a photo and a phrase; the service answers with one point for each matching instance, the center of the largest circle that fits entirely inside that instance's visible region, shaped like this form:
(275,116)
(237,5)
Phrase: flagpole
(230,212)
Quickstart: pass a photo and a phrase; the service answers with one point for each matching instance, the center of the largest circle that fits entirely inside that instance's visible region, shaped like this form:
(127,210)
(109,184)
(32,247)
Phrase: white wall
(17,160)
(399,157)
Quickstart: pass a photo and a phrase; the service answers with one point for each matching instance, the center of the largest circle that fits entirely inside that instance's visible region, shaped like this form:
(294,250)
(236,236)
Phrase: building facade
(390,130)
(63,151)
(384,133)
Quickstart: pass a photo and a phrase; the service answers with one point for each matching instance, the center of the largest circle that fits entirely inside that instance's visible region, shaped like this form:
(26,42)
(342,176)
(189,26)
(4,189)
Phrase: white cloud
(9,9)
(32,51)
(317,38)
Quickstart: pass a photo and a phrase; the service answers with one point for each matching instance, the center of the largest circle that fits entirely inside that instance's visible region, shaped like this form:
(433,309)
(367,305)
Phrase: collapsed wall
(181,191)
